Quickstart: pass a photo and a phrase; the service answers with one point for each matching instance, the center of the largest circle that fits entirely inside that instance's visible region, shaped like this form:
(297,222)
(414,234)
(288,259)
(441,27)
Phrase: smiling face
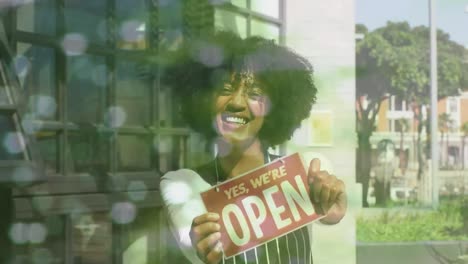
(240,107)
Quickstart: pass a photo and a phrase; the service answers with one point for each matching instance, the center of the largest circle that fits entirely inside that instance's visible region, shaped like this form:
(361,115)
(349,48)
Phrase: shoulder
(183,182)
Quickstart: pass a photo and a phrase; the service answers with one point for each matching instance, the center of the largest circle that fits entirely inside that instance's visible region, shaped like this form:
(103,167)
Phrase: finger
(314,169)
(208,243)
(334,192)
(205,229)
(324,197)
(208,217)
(317,188)
(215,254)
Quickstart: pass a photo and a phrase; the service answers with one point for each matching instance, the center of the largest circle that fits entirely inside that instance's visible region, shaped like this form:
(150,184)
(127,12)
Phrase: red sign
(262,204)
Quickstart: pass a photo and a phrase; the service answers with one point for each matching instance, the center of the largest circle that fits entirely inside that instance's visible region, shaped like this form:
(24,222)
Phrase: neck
(240,159)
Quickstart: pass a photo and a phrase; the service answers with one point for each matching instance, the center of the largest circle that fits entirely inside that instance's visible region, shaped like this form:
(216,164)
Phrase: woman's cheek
(260,106)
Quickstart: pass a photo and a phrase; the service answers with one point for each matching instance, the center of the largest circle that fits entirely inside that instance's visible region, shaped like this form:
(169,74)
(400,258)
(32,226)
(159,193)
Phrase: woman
(245,96)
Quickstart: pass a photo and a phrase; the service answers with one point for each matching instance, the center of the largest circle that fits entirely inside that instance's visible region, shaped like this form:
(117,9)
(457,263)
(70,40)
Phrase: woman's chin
(237,139)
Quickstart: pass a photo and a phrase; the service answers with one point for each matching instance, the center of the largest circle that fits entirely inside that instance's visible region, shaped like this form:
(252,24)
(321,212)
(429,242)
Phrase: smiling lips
(235,120)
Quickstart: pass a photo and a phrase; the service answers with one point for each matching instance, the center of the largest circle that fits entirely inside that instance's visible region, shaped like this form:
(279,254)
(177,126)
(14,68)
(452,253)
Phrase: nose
(238,101)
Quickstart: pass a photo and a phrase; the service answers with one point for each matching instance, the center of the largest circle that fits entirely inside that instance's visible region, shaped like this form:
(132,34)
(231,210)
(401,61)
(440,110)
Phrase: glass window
(239,3)
(226,20)
(133,89)
(132,17)
(88,152)
(171,151)
(266,30)
(266,7)
(87,18)
(37,17)
(48,143)
(453,105)
(86,88)
(35,67)
(134,153)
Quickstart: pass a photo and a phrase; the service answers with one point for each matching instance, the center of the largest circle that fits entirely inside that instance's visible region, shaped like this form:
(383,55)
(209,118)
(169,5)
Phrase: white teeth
(237,120)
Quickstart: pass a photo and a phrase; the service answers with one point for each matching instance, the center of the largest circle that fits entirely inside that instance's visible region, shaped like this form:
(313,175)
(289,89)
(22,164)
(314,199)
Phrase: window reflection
(35,66)
(132,17)
(133,153)
(86,88)
(87,18)
(48,143)
(133,92)
(88,152)
(227,20)
(264,29)
(37,17)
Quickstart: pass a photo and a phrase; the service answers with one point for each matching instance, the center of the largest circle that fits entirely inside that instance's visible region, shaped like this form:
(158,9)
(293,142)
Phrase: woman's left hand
(327,193)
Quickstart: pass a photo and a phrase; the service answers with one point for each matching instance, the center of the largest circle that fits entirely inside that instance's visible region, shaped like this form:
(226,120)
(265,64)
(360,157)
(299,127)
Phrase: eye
(256,93)
(226,90)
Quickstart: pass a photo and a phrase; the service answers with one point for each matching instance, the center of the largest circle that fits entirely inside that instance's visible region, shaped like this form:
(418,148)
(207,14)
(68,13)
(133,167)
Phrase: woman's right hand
(205,236)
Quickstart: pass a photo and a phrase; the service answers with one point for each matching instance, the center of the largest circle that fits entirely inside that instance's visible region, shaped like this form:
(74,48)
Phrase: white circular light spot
(23,176)
(21,65)
(37,233)
(14,143)
(43,105)
(74,44)
(130,31)
(29,125)
(19,233)
(137,191)
(123,212)
(115,116)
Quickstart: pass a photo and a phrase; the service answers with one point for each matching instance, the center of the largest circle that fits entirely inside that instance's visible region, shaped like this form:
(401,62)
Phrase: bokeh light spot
(19,233)
(23,176)
(37,233)
(29,124)
(123,212)
(137,191)
(129,31)
(115,116)
(14,142)
(43,105)
(21,65)
(74,44)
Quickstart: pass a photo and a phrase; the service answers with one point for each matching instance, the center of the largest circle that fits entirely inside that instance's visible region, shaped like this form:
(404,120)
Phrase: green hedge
(444,224)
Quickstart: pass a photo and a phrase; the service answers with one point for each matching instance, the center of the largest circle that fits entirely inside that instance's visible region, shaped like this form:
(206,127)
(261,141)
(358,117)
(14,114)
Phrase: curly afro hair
(199,67)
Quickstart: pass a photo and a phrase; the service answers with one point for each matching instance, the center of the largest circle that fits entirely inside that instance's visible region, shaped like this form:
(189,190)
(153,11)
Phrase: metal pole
(434,137)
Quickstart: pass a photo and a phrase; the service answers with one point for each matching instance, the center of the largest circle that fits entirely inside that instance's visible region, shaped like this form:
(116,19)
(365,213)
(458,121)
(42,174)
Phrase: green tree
(394,60)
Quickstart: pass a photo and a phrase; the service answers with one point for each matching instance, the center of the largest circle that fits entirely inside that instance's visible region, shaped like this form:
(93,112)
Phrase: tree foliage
(395,60)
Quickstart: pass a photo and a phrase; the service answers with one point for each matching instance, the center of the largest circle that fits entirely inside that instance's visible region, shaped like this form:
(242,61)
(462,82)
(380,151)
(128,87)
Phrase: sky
(451,15)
